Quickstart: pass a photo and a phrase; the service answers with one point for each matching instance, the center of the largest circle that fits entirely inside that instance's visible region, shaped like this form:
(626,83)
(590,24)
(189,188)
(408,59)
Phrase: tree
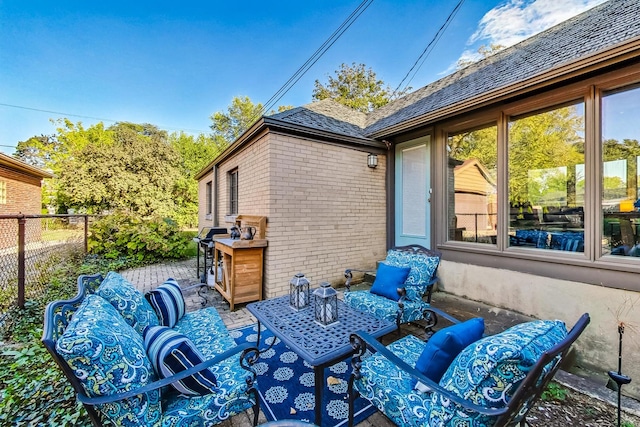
(357,87)
(37,150)
(127,167)
(240,115)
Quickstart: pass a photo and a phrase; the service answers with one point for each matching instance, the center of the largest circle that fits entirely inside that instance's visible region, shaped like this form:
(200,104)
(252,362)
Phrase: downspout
(215,196)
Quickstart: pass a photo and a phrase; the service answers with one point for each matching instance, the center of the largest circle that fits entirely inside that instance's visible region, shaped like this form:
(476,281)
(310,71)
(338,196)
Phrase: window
(472,185)
(547,179)
(3,192)
(620,203)
(209,197)
(233,192)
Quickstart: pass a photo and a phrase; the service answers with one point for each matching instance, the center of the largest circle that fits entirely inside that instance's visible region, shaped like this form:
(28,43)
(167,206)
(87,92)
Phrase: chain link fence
(477,227)
(30,247)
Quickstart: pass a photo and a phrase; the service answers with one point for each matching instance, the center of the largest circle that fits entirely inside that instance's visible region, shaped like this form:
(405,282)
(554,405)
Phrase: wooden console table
(242,267)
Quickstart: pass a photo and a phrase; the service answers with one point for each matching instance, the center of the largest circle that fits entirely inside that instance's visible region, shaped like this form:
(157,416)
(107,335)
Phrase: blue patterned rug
(286,384)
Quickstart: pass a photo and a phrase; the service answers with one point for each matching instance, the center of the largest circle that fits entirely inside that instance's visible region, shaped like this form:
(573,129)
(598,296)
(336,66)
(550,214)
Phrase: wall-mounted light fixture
(372,160)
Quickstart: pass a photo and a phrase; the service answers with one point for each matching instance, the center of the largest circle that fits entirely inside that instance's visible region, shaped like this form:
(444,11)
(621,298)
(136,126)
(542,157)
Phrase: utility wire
(425,53)
(58,113)
(315,57)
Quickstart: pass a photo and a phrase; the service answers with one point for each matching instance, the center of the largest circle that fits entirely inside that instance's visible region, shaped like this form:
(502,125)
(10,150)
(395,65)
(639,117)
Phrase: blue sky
(173,64)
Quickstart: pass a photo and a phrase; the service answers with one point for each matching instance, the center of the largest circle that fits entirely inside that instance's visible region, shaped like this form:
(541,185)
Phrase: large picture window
(546,179)
(471,185)
(620,203)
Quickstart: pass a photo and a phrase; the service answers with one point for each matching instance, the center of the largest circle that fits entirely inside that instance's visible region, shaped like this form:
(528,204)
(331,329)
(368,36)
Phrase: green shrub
(126,237)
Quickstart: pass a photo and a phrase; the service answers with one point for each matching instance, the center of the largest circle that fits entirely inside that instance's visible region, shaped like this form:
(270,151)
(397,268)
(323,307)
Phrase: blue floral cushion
(390,389)
(128,301)
(171,352)
(108,357)
(168,302)
(384,308)
(388,279)
(445,345)
(423,268)
(489,371)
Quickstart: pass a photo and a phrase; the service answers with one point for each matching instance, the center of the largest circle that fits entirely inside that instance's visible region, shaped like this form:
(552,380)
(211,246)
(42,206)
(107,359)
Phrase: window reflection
(546,179)
(472,188)
(620,152)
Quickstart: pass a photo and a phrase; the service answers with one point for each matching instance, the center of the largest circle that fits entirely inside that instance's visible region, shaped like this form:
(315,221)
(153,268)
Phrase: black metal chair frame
(58,314)
(527,392)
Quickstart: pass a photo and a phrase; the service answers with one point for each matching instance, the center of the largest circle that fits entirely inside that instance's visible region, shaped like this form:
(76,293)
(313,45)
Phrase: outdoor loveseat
(126,359)
(449,382)
(401,291)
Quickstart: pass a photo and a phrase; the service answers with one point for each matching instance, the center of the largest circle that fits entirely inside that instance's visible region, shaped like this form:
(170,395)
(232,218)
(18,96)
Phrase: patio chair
(401,292)
(492,382)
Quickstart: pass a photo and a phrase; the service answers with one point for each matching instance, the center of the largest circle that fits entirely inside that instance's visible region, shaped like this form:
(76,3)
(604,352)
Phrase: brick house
(20,186)
(554,121)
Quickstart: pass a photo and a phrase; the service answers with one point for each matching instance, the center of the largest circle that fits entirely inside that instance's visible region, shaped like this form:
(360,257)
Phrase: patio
(496,320)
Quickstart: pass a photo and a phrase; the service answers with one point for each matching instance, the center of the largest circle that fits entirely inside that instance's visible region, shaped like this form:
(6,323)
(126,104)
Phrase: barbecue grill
(205,248)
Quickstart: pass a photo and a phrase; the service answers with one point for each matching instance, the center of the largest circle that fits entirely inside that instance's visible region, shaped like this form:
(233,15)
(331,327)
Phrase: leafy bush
(142,241)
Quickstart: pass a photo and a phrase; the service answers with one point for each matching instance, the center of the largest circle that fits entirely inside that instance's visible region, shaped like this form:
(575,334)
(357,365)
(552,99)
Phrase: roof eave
(23,167)
(626,50)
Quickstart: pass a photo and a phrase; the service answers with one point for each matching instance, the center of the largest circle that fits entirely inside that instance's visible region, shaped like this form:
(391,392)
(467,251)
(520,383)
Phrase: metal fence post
(86,234)
(21,255)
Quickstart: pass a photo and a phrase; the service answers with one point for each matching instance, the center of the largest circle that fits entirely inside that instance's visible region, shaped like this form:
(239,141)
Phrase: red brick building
(20,187)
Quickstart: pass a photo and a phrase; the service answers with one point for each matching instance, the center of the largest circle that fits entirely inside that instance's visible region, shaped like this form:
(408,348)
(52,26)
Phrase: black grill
(205,247)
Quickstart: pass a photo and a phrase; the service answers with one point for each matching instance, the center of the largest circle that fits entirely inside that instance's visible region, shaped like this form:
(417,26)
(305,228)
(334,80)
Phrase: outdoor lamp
(372,160)
(299,292)
(326,304)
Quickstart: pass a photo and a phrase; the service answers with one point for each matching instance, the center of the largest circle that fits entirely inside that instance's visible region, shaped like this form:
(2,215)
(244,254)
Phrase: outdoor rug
(286,384)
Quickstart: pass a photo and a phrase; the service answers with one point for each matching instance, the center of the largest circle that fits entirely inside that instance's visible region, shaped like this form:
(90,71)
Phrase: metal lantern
(299,292)
(326,304)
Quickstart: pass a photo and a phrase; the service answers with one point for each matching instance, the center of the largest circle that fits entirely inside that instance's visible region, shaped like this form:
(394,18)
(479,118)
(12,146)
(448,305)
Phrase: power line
(423,56)
(302,70)
(58,113)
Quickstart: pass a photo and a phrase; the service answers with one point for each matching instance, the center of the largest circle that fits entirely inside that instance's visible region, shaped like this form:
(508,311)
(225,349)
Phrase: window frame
(604,270)
(233,184)
(209,198)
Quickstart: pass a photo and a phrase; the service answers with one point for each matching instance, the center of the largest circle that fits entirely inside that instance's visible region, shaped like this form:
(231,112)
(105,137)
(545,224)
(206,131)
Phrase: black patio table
(320,346)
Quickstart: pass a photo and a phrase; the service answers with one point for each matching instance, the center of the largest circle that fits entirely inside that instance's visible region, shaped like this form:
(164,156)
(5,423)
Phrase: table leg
(318,372)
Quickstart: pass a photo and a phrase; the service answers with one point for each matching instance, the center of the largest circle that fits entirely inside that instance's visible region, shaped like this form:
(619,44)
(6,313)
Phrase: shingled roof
(589,33)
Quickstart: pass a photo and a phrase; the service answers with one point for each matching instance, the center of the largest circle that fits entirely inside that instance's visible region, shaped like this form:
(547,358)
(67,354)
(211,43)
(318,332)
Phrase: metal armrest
(245,348)
(349,276)
(360,341)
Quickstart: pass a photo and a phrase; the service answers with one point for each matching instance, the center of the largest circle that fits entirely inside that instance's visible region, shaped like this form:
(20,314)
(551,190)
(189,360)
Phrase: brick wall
(23,193)
(326,209)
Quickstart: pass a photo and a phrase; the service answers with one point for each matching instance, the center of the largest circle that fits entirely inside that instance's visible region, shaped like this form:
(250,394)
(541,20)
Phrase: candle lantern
(299,292)
(326,304)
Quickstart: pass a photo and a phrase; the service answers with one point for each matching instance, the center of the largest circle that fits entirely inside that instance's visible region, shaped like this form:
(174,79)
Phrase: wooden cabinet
(240,278)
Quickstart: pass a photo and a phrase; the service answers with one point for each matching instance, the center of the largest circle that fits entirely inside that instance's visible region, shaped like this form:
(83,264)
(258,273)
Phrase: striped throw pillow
(168,302)
(172,352)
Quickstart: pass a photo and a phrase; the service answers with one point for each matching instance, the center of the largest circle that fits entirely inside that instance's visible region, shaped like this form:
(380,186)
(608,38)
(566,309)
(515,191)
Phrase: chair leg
(351,397)
(256,407)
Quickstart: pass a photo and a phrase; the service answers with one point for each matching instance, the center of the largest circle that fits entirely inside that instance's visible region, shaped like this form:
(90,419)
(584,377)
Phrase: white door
(413,193)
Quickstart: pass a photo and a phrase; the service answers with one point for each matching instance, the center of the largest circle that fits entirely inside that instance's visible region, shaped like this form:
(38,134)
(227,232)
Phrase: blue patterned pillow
(388,280)
(108,357)
(445,345)
(128,301)
(488,372)
(172,352)
(422,267)
(168,302)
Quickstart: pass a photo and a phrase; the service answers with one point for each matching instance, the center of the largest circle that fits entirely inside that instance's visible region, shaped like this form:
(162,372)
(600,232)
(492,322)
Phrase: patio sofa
(492,381)
(131,367)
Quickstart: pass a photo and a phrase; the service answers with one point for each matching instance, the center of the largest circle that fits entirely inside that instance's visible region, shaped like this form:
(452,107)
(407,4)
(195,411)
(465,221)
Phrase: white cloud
(516,20)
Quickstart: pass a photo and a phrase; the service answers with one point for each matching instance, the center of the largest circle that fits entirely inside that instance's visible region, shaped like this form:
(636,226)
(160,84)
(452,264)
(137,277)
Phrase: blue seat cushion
(128,301)
(168,302)
(423,268)
(388,280)
(171,352)
(490,370)
(108,357)
(445,345)
(391,389)
(384,308)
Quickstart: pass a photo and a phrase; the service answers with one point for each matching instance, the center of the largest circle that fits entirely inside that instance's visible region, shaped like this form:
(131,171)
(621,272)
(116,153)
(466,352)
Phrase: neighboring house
(556,114)
(20,193)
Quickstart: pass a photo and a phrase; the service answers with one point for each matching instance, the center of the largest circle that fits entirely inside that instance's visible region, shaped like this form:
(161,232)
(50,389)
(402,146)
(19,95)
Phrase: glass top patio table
(320,346)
